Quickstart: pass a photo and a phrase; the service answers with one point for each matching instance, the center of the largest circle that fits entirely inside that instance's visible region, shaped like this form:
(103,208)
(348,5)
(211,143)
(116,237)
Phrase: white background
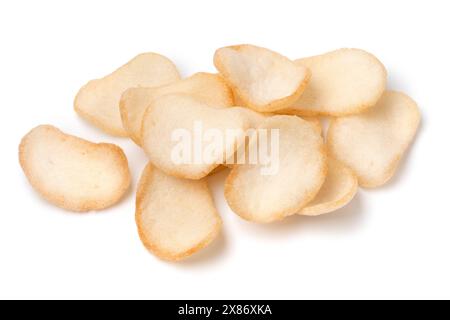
(391,242)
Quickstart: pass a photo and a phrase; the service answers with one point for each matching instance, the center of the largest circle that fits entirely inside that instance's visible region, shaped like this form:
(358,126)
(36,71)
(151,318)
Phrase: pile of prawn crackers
(321,164)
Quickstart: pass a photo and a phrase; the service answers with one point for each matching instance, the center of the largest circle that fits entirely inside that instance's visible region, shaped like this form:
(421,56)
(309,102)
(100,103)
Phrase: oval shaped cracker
(208,88)
(343,82)
(301,173)
(264,80)
(179,112)
(175,217)
(98,100)
(339,188)
(371,144)
(73,173)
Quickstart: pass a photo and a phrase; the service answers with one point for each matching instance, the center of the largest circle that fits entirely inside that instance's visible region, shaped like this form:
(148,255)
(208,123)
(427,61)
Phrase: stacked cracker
(369,131)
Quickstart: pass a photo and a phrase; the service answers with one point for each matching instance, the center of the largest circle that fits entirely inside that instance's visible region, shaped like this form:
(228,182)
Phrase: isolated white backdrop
(391,242)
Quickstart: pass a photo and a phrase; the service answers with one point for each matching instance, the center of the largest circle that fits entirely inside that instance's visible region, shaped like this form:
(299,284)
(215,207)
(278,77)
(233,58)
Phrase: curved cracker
(209,88)
(339,188)
(302,170)
(98,100)
(343,82)
(264,80)
(179,111)
(175,217)
(371,144)
(73,173)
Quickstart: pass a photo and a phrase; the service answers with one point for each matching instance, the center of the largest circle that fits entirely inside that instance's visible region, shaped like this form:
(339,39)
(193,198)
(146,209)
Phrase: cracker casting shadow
(342,220)
(212,253)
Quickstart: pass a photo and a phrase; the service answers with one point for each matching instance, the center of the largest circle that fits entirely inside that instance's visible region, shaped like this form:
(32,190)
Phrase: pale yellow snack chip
(209,88)
(372,144)
(264,80)
(175,113)
(343,82)
(98,100)
(73,173)
(301,173)
(339,188)
(175,217)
